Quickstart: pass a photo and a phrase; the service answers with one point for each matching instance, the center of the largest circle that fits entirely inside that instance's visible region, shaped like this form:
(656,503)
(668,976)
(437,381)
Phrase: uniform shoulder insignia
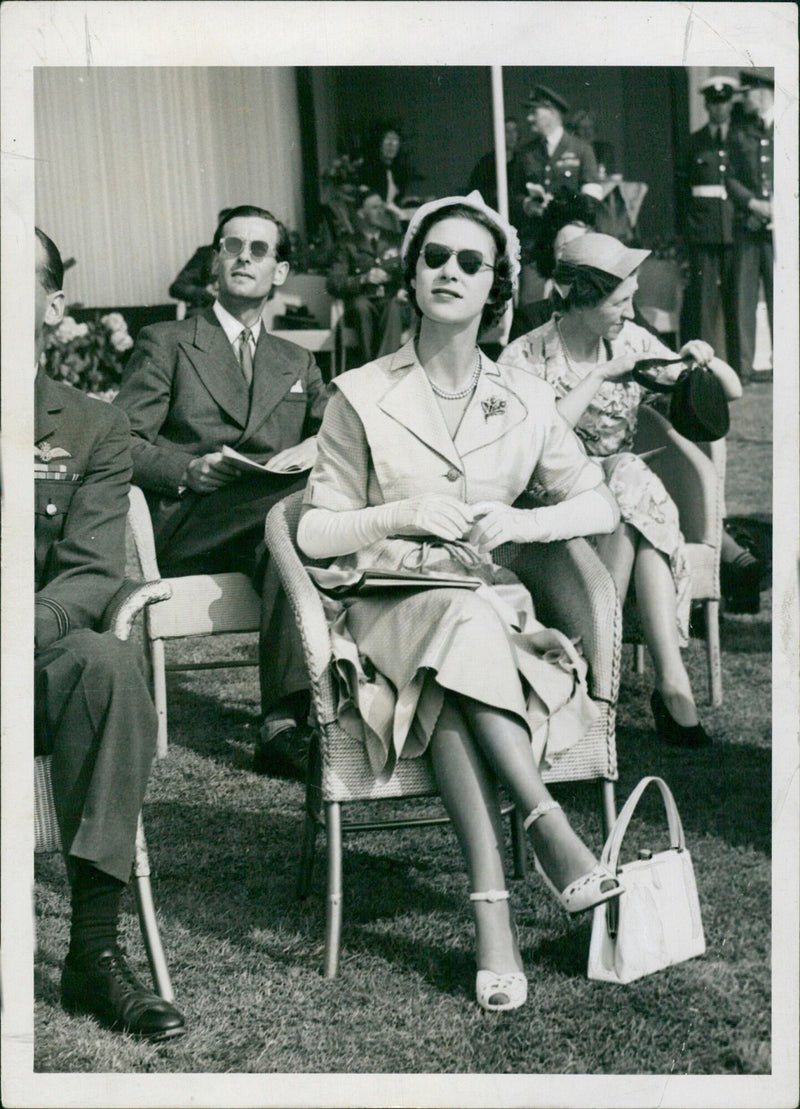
(48,453)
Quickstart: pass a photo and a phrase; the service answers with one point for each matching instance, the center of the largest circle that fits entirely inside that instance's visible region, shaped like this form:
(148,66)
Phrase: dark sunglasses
(233,245)
(435,256)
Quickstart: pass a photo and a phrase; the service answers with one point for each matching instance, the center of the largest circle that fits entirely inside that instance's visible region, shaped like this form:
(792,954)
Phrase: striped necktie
(246,355)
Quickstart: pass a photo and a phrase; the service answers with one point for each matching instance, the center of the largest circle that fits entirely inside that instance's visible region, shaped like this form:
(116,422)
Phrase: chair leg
(158,665)
(518,844)
(333,915)
(147,918)
(609,804)
(714,655)
(306,868)
(638,658)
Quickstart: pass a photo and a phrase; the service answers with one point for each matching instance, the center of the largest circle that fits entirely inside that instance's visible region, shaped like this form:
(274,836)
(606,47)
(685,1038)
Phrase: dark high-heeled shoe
(671,732)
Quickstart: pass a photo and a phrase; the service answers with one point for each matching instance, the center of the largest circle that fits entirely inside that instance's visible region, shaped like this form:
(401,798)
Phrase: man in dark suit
(750,185)
(708,220)
(93,713)
(484,175)
(218,380)
(367,275)
(553,163)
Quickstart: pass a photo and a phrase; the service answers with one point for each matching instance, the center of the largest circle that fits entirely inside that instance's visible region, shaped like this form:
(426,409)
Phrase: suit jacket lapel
(274,373)
(493,411)
(411,403)
(217,367)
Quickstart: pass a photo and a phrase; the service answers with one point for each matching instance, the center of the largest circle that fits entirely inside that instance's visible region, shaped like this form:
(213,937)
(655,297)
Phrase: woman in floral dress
(586,352)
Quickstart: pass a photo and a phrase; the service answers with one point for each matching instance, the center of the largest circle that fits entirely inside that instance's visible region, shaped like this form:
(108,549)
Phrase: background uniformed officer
(750,186)
(708,219)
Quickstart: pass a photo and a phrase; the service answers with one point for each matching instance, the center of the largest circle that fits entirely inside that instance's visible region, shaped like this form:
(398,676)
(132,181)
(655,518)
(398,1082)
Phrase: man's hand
(294,460)
(761,208)
(208,472)
(434,514)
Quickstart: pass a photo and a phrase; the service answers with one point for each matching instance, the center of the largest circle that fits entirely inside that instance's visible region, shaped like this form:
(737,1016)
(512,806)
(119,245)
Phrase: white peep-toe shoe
(498,992)
(585,892)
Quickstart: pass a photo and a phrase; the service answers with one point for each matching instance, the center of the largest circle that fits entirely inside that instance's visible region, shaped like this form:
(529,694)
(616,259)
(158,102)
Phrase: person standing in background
(750,185)
(709,216)
(484,175)
(196,284)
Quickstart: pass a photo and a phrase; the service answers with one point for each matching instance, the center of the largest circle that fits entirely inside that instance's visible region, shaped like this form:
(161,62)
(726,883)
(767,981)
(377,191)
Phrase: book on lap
(349,583)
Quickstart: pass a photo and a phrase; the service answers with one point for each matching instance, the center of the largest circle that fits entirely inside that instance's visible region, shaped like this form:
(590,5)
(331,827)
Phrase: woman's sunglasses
(233,245)
(435,256)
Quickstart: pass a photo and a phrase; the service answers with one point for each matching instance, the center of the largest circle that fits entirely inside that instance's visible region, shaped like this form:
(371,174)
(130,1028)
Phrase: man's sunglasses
(233,245)
(435,256)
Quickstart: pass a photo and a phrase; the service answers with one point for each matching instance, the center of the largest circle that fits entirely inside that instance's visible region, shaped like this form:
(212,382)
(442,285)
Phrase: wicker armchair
(571,589)
(694,476)
(119,618)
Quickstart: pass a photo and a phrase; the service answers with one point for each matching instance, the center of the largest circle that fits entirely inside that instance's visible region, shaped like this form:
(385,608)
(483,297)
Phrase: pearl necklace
(473,381)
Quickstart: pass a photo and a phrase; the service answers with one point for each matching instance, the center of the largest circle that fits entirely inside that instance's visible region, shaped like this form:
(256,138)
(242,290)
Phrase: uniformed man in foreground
(709,216)
(93,713)
(750,186)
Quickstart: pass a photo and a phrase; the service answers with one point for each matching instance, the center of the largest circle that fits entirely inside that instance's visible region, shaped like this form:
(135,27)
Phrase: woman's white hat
(600,252)
(476,201)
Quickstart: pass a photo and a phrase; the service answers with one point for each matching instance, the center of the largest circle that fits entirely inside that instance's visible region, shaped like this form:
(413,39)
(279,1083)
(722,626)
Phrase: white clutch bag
(656,922)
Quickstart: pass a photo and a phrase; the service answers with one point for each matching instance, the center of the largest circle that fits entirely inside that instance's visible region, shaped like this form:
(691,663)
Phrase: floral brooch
(493,406)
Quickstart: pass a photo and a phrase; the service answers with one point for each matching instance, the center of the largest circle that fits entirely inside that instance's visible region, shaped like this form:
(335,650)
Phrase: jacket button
(452,475)
(50,509)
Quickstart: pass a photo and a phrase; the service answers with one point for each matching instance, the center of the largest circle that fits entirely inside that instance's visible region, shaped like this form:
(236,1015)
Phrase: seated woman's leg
(655,600)
(469,794)
(506,745)
(617,552)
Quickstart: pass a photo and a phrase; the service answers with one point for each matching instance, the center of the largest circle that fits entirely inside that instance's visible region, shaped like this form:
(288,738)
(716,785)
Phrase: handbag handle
(613,844)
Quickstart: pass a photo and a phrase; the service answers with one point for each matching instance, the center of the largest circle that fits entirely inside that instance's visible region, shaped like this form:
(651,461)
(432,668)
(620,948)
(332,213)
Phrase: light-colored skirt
(397,653)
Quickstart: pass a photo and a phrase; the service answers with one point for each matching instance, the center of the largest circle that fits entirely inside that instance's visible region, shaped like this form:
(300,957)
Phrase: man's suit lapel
(274,373)
(217,367)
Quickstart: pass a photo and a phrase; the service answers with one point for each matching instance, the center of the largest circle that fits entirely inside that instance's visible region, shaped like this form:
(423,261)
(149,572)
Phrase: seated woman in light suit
(421,456)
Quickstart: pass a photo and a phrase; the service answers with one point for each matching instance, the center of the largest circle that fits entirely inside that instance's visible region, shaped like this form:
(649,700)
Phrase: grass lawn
(246,956)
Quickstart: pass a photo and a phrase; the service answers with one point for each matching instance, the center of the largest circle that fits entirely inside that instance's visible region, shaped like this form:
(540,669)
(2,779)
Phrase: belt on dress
(717,192)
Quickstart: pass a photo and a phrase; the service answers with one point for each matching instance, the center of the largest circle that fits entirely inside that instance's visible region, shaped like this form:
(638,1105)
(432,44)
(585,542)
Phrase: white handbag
(656,922)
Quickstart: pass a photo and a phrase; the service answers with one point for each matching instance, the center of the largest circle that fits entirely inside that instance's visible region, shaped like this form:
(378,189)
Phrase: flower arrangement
(89,355)
(343,171)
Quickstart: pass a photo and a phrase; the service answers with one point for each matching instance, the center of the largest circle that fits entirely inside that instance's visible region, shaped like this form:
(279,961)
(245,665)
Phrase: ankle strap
(490,895)
(540,810)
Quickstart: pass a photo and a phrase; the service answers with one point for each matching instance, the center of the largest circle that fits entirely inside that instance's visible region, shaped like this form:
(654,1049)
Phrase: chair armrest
(305,601)
(694,479)
(573,591)
(131,598)
(139,539)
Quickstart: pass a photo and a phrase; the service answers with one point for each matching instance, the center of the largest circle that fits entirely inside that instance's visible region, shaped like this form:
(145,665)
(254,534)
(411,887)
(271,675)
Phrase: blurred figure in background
(387,170)
(750,186)
(581,123)
(708,220)
(366,274)
(484,176)
(196,283)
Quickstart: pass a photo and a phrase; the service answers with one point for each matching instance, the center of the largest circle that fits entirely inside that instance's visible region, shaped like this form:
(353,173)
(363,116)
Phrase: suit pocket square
(297,387)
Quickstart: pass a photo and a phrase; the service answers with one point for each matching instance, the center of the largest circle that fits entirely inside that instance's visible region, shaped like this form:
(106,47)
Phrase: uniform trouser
(223,532)
(712,283)
(95,717)
(379,323)
(753,256)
